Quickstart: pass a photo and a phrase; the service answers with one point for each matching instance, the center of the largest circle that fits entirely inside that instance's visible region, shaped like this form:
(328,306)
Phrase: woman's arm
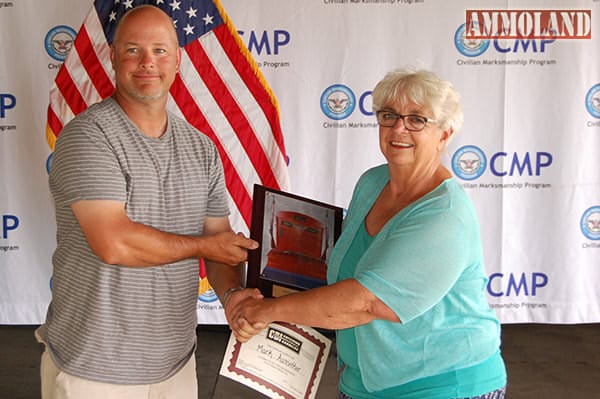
(341,305)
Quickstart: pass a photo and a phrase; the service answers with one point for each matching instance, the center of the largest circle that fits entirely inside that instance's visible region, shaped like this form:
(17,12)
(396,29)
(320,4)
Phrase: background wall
(527,155)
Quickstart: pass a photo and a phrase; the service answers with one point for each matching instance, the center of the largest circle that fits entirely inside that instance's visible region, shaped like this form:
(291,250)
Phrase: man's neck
(149,117)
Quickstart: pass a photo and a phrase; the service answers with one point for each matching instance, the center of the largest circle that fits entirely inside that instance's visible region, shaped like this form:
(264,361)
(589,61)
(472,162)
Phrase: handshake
(247,311)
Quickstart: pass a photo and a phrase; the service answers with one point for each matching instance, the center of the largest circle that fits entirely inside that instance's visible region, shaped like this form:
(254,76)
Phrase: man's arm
(118,240)
(223,277)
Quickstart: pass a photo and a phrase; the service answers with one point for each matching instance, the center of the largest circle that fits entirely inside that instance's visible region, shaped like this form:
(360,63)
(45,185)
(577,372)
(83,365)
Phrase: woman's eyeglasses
(412,123)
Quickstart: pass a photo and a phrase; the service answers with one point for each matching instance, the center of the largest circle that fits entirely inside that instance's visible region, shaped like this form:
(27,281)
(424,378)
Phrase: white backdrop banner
(527,155)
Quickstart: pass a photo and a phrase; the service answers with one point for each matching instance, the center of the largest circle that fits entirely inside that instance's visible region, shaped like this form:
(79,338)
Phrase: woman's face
(403,147)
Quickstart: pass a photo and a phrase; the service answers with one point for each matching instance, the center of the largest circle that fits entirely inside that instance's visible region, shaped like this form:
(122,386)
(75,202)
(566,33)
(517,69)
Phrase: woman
(406,278)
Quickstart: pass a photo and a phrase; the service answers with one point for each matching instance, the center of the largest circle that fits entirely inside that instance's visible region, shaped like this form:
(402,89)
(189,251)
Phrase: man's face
(145,56)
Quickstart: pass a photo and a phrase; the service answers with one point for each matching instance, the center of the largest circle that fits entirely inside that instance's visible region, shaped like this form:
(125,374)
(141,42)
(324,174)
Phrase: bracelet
(228,293)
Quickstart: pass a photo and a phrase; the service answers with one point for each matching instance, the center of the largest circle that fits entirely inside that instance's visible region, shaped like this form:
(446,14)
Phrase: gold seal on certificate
(282,361)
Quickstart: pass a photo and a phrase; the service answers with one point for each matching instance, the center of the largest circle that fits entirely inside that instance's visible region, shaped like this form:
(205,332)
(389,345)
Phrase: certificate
(296,236)
(282,361)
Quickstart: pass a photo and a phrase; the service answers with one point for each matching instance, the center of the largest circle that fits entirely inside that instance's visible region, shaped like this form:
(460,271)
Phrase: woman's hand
(249,317)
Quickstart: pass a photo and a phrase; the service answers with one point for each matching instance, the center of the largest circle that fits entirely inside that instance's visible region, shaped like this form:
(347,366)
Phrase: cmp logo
(338,102)
(269,42)
(7,224)
(469,162)
(590,223)
(205,292)
(59,41)
(469,47)
(592,101)
(49,162)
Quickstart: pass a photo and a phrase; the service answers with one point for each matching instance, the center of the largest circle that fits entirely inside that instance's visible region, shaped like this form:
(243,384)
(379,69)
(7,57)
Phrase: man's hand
(228,248)
(249,316)
(242,329)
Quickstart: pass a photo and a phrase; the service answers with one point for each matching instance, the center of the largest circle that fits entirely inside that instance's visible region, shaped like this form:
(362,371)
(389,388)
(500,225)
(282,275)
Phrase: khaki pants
(57,384)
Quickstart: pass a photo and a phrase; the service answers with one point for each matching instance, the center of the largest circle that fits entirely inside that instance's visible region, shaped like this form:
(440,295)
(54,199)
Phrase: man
(139,197)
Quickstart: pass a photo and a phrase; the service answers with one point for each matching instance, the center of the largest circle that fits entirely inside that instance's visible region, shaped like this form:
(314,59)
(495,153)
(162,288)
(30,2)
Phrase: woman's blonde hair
(423,88)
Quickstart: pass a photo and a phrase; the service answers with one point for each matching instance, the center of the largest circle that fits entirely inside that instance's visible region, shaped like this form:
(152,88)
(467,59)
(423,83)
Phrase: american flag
(219,89)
